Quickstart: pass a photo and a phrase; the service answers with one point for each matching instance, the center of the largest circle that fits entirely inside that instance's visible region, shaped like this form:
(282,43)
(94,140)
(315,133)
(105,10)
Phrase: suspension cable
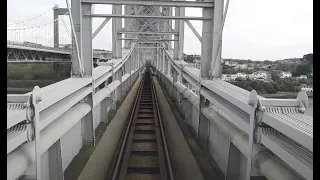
(65,26)
(31,27)
(19,22)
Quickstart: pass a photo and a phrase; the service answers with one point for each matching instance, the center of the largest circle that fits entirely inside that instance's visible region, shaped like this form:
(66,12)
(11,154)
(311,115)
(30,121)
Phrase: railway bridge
(147,114)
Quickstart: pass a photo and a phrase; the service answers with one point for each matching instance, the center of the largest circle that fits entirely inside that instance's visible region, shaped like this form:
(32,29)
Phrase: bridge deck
(184,164)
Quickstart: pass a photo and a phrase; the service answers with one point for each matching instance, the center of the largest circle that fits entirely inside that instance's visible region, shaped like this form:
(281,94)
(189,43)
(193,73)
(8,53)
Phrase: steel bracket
(34,119)
(303,97)
(253,101)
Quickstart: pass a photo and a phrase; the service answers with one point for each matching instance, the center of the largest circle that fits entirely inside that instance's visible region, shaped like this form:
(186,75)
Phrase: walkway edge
(99,162)
(184,165)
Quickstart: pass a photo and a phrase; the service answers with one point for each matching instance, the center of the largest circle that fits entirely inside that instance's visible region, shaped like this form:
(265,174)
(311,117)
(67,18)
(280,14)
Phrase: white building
(241,75)
(303,77)
(229,63)
(241,66)
(284,74)
(229,77)
(306,88)
(260,75)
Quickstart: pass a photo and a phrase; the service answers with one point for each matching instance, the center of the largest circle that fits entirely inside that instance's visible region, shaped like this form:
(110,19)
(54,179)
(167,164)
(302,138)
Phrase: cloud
(258,30)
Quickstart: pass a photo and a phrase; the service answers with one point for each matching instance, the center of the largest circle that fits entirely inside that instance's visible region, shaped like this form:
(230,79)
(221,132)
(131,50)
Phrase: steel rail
(162,134)
(127,131)
(129,152)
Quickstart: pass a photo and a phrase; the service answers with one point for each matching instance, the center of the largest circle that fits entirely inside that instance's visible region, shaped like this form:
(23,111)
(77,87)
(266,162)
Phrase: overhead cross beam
(147,39)
(147,17)
(145,32)
(195,4)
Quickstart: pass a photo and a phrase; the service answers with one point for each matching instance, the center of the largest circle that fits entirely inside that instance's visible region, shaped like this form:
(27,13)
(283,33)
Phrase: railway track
(143,154)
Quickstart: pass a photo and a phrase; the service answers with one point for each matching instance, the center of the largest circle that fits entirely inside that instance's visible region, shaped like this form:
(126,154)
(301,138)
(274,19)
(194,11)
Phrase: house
(269,77)
(241,66)
(285,74)
(241,75)
(268,66)
(303,77)
(306,88)
(250,76)
(230,63)
(197,61)
(229,77)
(260,75)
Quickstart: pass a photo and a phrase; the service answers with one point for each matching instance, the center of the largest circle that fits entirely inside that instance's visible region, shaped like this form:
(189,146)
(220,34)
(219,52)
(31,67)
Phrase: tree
(308,58)
(275,77)
(189,59)
(302,69)
(267,62)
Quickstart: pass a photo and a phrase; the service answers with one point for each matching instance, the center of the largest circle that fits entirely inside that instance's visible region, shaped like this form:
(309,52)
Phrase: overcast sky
(254,29)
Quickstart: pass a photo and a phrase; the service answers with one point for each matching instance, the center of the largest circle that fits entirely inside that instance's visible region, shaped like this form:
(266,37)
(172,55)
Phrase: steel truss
(25,55)
(275,136)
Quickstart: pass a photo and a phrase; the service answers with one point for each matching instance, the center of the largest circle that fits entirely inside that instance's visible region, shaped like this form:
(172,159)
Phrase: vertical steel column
(76,11)
(203,127)
(234,164)
(170,24)
(87,57)
(206,58)
(158,56)
(217,43)
(174,94)
(176,36)
(86,37)
(169,70)
(207,42)
(127,9)
(103,110)
(188,111)
(163,62)
(165,12)
(109,101)
(139,59)
(119,27)
(55,162)
(56,27)
(160,61)
(181,34)
(165,67)
(118,76)
(88,137)
(130,69)
(136,58)
(114,33)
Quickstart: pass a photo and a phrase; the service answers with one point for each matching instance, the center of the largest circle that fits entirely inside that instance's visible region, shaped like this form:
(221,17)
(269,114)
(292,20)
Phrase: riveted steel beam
(147,17)
(195,4)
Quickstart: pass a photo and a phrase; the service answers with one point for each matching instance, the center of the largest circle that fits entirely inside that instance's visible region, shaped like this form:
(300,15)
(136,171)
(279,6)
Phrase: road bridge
(18,51)
(242,135)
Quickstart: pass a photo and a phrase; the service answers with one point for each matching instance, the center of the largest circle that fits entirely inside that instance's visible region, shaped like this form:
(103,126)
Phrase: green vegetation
(280,85)
(302,69)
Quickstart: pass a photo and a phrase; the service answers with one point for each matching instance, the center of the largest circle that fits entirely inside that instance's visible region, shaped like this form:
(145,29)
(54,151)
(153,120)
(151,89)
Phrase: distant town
(269,77)
(287,76)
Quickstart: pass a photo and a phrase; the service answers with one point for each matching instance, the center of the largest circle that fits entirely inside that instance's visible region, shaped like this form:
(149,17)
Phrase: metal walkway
(245,134)
(144,153)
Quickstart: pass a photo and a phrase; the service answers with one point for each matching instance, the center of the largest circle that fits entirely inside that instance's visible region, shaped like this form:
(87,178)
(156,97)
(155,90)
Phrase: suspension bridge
(145,113)
(40,39)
